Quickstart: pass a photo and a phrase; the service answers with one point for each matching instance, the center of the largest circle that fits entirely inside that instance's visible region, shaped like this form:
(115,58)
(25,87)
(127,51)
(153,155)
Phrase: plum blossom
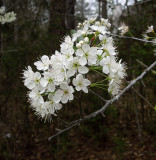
(150,29)
(123,28)
(64,94)
(58,77)
(74,66)
(6,17)
(81,83)
(87,54)
(43,64)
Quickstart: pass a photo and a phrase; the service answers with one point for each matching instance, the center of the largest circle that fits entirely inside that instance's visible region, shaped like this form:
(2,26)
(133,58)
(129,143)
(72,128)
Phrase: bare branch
(138,39)
(101,110)
(144,65)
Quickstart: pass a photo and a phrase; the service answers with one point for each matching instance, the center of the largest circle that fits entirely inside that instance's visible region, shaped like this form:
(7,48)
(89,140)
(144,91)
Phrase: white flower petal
(51,87)
(70,96)
(64,85)
(64,99)
(41,100)
(58,106)
(105,69)
(70,72)
(43,82)
(86,82)
(45,59)
(59,93)
(83,61)
(56,99)
(39,65)
(85,89)
(78,88)
(74,82)
(79,52)
(83,69)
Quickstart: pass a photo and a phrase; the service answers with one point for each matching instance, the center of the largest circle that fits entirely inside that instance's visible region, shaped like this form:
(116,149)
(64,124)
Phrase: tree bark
(70,10)
(104,9)
(57,17)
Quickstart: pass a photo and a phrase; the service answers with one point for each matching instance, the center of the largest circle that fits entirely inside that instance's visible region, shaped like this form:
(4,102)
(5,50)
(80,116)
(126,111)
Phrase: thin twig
(138,39)
(137,119)
(66,129)
(144,65)
(63,121)
(143,97)
(98,95)
(101,110)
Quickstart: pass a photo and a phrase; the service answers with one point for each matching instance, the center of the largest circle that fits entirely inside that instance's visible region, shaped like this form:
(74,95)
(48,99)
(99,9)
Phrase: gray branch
(101,110)
(138,39)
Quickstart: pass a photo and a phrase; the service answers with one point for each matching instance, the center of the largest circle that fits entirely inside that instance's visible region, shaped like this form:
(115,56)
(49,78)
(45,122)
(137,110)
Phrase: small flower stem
(103,80)
(99,73)
(94,84)
(99,44)
(101,88)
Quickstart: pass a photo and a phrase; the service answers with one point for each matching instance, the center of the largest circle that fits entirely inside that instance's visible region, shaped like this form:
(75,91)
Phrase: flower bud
(108,25)
(81,42)
(78,45)
(86,39)
(79,24)
(83,33)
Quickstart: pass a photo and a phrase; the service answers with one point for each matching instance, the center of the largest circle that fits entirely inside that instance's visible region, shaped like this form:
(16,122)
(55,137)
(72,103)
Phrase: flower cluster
(150,35)
(6,17)
(89,49)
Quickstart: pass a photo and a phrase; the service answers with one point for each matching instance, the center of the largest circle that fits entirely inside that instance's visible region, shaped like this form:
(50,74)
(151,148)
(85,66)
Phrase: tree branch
(101,110)
(138,39)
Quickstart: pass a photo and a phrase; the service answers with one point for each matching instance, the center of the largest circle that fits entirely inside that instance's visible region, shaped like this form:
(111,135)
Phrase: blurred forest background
(128,130)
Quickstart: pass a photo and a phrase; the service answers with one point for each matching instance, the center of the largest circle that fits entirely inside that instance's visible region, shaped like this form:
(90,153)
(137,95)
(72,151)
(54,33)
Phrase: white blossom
(64,94)
(123,28)
(43,64)
(150,29)
(6,17)
(81,83)
(56,77)
(74,66)
(87,54)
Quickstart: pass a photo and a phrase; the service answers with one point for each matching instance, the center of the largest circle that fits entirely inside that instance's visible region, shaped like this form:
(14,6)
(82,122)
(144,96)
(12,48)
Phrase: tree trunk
(104,9)
(70,10)
(99,9)
(57,17)
(82,9)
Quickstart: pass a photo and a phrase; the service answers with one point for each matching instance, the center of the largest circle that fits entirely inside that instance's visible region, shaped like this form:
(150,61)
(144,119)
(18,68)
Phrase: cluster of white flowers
(6,17)
(149,30)
(150,35)
(89,49)
(123,28)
